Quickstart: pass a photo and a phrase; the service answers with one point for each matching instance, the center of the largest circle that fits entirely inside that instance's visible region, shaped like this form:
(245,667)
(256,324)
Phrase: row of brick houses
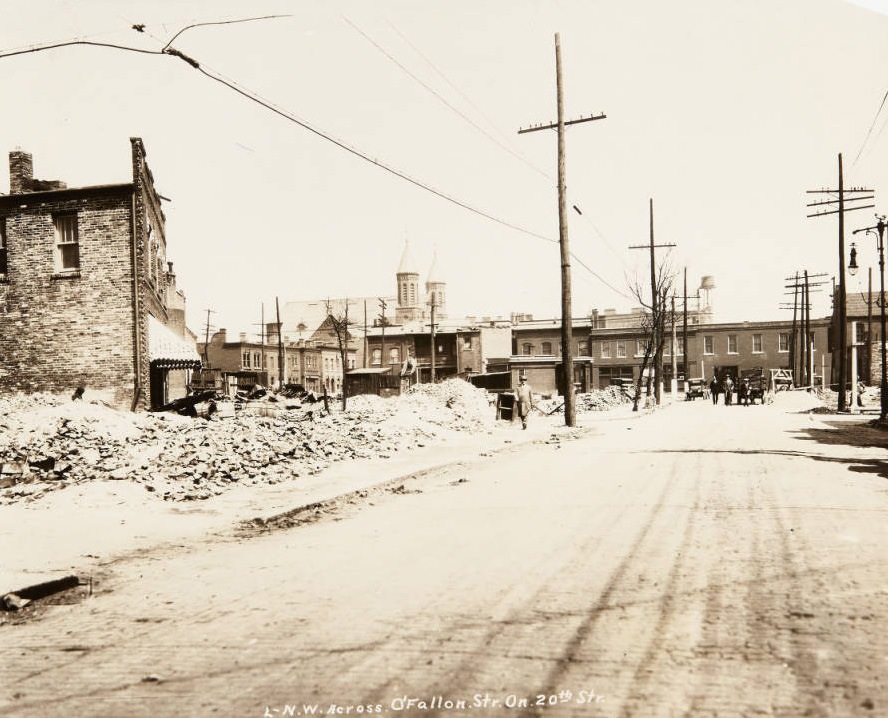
(87,297)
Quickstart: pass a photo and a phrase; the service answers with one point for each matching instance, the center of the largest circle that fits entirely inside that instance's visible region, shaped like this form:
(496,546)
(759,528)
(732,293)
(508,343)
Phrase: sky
(722,114)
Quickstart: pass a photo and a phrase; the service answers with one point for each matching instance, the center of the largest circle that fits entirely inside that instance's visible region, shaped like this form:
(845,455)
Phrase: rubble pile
(597,400)
(47,443)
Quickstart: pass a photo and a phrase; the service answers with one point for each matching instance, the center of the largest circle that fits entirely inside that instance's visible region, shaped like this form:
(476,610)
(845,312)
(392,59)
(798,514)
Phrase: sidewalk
(81,528)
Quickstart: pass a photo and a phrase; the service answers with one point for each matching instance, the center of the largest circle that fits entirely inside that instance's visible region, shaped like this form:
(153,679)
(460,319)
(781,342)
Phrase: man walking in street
(524,398)
(714,388)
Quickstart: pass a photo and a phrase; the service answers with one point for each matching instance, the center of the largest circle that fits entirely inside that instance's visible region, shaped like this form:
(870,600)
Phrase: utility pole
(800,338)
(684,329)
(281,367)
(432,376)
(570,413)
(262,339)
(854,194)
(655,317)
(382,306)
(673,385)
(365,334)
(207,340)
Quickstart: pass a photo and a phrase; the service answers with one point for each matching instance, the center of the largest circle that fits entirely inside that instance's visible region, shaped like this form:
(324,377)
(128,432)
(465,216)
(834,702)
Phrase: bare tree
(653,323)
(339,325)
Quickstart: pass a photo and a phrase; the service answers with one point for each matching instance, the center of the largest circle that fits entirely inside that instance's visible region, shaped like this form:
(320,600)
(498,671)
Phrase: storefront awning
(167,350)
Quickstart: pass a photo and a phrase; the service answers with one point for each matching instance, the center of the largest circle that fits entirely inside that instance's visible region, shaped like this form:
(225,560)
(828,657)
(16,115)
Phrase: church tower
(436,290)
(409,307)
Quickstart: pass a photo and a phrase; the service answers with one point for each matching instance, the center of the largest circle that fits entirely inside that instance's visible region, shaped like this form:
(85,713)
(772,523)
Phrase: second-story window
(756,343)
(582,348)
(708,345)
(395,356)
(783,342)
(527,349)
(67,243)
(546,348)
(245,358)
(377,357)
(605,350)
(621,349)
(732,343)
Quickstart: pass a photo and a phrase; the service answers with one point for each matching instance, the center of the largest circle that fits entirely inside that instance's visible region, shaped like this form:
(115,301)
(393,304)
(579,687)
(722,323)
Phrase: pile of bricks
(49,442)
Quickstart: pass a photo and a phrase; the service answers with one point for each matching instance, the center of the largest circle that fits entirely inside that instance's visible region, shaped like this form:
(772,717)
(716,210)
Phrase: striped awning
(167,350)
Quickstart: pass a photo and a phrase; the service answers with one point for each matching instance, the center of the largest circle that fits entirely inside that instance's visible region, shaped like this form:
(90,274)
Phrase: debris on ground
(598,400)
(48,442)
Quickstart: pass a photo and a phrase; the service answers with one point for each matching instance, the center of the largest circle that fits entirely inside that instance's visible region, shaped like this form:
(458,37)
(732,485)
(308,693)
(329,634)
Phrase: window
(2,245)
(708,345)
(639,347)
(621,349)
(394,355)
(582,349)
(732,343)
(680,350)
(67,245)
(467,342)
(527,348)
(756,343)
(546,348)
(245,358)
(377,356)
(605,350)
(783,342)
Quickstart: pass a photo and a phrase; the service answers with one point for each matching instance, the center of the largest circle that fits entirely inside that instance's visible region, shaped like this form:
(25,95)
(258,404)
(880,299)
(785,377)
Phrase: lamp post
(878,230)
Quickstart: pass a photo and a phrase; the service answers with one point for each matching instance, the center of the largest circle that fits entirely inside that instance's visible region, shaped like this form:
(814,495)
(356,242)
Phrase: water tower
(707,284)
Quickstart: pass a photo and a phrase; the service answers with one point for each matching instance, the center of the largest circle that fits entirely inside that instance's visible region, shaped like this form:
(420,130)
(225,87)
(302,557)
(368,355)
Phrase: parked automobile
(697,388)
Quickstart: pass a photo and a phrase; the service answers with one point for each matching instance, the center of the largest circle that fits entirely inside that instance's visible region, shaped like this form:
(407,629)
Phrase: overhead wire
(255,97)
(462,94)
(443,100)
(870,131)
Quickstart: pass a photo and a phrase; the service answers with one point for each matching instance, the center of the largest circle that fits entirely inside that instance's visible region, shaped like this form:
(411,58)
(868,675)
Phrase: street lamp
(878,230)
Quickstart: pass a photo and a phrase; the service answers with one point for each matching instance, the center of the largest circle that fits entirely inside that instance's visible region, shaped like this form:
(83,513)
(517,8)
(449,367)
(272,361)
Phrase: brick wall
(60,331)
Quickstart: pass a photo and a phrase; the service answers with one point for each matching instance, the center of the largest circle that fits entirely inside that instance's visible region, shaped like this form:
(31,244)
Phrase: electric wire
(462,94)
(869,132)
(443,100)
(254,97)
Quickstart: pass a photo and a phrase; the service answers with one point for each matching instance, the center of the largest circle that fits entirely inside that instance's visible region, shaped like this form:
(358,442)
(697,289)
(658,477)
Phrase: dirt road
(701,561)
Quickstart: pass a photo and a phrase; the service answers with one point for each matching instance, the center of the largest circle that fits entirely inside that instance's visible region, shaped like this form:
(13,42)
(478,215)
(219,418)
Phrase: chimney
(21,172)
(243,337)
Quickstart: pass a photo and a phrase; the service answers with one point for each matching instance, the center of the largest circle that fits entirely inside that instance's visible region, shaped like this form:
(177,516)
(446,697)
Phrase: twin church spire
(413,304)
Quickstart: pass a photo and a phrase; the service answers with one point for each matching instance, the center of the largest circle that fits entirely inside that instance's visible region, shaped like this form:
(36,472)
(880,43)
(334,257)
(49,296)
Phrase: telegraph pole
(655,319)
(855,194)
(382,306)
(570,413)
(800,338)
(432,375)
(281,367)
(207,339)
(684,329)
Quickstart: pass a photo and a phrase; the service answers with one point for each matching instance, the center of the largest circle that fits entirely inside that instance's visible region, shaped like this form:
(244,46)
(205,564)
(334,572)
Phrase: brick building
(316,364)
(87,297)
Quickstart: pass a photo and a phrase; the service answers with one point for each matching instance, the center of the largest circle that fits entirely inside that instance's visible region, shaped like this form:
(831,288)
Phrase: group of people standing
(727,386)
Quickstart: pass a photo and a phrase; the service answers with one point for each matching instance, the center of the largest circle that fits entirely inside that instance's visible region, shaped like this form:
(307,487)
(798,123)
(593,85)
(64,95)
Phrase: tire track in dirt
(458,677)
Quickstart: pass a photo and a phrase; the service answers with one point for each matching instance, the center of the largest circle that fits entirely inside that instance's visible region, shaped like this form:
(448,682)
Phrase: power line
(870,130)
(254,97)
(462,94)
(443,100)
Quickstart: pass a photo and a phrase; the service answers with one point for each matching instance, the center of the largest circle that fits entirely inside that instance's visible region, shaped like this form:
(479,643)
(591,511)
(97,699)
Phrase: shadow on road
(861,466)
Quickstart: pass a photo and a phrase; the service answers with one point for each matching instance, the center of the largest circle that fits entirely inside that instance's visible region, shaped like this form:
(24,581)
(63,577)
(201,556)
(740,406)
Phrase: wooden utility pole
(684,330)
(382,306)
(207,340)
(656,319)
(673,385)
(800,333)
(855,194)
(432,375)
(280,329)
(366,348)
(570,413)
